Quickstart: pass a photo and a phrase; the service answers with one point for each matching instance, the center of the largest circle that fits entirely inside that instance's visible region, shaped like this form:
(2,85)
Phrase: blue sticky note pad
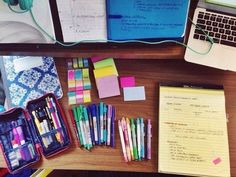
(134,93)
(147,19)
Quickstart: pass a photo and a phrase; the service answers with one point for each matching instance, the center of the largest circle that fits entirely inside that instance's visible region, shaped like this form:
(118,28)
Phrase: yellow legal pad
(193,137)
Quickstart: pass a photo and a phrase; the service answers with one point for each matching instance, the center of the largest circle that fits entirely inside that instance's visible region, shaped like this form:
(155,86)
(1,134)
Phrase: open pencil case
(25,133)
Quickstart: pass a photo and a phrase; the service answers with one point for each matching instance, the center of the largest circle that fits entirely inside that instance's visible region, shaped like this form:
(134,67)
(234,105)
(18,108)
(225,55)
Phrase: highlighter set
(42,126)
(132,136)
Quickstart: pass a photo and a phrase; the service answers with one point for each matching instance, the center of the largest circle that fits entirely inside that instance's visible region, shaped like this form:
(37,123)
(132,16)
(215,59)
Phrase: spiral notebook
(27,78)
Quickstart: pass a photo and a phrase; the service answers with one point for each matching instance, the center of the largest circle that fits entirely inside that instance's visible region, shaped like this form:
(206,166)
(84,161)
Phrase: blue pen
(95,124)
(98,125)
(138,138)
(105,123)
(91,124)
(101,121)
(142,133)
(113,127)
(109,115)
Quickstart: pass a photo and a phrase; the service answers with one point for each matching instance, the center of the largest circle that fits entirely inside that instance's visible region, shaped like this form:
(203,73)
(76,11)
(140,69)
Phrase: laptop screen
(228,3)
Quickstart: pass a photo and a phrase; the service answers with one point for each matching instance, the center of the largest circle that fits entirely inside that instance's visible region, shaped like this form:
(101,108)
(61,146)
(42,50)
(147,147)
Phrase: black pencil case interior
(42,126)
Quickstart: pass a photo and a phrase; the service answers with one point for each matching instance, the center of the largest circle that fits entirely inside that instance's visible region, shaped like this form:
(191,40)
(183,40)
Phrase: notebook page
(193,136)
(82,19)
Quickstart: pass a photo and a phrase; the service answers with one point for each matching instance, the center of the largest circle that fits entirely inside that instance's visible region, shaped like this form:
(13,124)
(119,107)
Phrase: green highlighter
(133,132)
(82,125)
(74,109)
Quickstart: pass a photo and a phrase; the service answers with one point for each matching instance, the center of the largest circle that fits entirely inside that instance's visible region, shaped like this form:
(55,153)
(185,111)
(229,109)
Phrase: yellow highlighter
(39,128)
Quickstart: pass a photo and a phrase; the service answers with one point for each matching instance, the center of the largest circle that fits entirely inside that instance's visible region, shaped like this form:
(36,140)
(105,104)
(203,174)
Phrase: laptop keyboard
(221,28)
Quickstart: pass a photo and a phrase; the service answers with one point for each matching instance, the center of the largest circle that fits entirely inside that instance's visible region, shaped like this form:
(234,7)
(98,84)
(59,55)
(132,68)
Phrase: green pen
(79,113)
(87,129)
(77,125)
(133,132)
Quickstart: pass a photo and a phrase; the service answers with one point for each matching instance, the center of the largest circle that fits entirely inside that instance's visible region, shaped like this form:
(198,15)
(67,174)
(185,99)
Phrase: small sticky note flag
(70,65)
(86,62)
(217,161)
(80,63)
(85,72)
(127,82)
(71,80)
(75,63)
(71,98)
(79,96)
(134,93)
(108,86)
(87,96)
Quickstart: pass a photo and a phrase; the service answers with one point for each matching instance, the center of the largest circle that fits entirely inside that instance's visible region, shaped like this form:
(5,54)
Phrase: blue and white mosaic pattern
(30,84)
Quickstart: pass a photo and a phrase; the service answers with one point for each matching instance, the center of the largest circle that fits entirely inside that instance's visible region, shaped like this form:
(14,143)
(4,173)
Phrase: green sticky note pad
(105,63)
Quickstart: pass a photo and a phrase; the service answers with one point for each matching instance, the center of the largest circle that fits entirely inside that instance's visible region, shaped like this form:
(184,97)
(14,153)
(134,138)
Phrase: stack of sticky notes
(132,92)
(79,84)
(106,77)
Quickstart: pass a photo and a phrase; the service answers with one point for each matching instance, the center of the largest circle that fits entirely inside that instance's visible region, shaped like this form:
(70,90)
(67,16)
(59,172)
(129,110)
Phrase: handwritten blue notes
(146,19)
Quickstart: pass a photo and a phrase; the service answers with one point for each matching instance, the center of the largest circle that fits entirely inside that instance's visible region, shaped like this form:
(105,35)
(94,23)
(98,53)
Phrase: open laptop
(218,19)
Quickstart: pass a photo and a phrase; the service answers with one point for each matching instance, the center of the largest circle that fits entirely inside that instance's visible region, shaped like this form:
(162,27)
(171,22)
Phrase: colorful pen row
(132,136)
(94,125)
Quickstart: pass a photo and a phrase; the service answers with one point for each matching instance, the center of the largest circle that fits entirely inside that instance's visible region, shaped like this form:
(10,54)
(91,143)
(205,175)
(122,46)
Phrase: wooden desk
(148,73)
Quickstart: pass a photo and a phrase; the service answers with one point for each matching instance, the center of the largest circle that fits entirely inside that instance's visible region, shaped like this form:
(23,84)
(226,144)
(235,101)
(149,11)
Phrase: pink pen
(125,130)
(19,139)
(122,140)
(149,141)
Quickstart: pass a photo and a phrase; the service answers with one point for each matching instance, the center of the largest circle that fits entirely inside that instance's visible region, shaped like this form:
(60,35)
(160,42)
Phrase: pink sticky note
(127,82)
(108,86)
(95,59)
(217,160)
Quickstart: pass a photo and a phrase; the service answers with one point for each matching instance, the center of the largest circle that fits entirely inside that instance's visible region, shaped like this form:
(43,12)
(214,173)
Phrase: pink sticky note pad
(108,86)
(217,160)
(95,59)
(127,82)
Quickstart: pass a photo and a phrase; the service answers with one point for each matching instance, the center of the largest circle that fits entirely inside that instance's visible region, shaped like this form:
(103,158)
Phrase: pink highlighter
(21,141)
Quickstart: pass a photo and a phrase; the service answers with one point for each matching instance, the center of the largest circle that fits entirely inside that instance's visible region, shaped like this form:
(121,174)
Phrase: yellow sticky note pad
(105,71)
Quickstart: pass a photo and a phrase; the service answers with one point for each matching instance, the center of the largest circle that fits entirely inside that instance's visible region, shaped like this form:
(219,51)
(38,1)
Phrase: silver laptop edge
(215,7)
(220,56)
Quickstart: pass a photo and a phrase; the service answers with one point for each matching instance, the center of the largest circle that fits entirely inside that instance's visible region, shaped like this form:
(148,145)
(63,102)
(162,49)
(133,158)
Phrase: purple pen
(113,127)
(149,139)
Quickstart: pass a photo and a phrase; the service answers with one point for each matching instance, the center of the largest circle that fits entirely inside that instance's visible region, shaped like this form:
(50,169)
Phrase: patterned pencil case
(24,133)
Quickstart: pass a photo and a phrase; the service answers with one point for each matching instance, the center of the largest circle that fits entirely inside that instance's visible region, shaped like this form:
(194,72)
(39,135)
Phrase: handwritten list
(193,132)
(82,20)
